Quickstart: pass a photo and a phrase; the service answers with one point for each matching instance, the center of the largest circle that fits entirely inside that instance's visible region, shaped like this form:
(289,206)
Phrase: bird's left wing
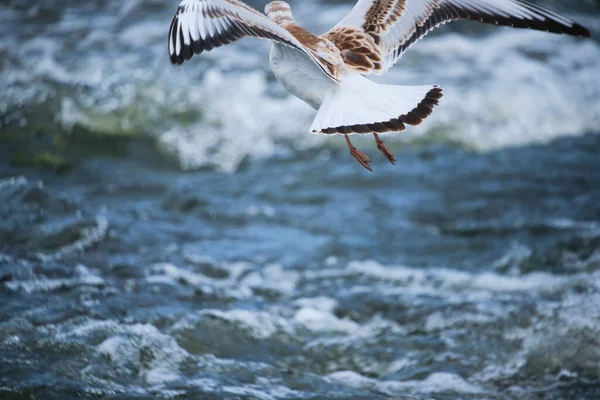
(201,25)
(397,24)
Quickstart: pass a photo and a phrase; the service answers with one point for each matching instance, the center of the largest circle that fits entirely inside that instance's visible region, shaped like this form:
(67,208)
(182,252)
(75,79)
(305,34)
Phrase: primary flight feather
(327,71)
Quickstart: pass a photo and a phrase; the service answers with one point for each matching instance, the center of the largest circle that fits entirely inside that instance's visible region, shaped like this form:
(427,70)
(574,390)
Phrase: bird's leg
(359,155)
(383,148)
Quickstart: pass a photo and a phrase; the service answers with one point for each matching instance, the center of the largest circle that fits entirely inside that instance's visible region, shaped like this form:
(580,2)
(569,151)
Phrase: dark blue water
(176,233)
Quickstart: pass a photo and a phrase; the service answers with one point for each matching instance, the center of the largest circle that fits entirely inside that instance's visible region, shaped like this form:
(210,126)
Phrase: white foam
(89,236)
(86,329)
(205,384)
(132,349)
(572,326)
(84,277)
(562,337)
(260,324)
(322,303)
(358,334)
(399,365)
(438,382)
(440,280)
(265,390)
(211,362)
(242,280)
(248,391)
(239,120)
(13,181)
(497,92)
(162,354)
(171,274)
(273,278)
(438,321)
(324,321)
(351,379)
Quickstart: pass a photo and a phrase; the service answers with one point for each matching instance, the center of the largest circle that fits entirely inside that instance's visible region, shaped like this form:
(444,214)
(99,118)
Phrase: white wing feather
(418,17)
(201,25)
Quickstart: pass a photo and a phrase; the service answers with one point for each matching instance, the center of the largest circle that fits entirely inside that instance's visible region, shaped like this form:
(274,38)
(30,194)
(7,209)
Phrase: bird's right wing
(397,24)
(201,25)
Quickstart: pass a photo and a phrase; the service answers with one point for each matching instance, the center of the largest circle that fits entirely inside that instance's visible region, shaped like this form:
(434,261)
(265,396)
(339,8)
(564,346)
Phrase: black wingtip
(171,42)
(580,30)
(187,50)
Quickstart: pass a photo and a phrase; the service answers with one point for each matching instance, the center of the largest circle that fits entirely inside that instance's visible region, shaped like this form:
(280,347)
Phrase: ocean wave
(83,278)
(512,88)
(546,324)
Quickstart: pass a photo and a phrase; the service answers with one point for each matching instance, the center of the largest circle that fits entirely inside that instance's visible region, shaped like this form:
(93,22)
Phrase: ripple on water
(545,324)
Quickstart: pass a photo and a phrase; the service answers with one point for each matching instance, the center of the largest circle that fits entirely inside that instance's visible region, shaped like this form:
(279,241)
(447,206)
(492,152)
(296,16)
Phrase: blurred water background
(177,232)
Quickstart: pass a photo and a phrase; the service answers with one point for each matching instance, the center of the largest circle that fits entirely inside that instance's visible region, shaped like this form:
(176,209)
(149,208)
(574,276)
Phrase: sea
(177,233)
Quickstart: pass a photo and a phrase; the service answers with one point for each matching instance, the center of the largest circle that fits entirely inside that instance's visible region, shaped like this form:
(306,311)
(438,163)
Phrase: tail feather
(359,105)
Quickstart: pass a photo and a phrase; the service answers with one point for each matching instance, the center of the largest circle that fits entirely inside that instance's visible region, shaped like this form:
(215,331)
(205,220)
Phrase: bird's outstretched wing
(397,24)
(201,25)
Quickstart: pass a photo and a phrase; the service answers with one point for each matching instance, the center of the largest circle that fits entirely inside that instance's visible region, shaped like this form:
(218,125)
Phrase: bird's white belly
(299,74)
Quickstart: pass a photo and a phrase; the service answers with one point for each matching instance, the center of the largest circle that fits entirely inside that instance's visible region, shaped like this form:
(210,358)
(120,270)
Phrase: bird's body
(299,75)
(328,71)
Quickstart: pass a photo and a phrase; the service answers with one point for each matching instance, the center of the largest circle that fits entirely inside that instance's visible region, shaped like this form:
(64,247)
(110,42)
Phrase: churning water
(177,232)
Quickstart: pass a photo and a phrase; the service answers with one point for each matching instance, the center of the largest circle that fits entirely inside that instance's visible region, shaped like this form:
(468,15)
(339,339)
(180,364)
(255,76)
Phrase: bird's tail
(359,105)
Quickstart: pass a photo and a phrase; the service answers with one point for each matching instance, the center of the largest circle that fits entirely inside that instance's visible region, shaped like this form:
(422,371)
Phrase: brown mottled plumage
(357,48)
(382,15)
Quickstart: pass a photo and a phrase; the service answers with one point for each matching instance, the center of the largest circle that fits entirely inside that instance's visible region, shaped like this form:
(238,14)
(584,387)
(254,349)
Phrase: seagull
(329,71)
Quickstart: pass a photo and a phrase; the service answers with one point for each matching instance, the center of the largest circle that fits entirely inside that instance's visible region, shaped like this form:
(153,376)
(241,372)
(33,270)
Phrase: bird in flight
(328,71)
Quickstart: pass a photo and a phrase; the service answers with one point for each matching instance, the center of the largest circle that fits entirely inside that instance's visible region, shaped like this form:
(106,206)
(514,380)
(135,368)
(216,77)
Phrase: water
(176,232)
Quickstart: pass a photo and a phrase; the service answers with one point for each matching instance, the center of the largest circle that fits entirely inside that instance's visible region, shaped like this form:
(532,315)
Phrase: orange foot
(383,148)
(361,157)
